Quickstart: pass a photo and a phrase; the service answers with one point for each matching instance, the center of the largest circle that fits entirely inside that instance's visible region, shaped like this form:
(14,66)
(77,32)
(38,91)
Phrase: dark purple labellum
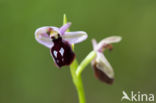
(101,75)
(62,52)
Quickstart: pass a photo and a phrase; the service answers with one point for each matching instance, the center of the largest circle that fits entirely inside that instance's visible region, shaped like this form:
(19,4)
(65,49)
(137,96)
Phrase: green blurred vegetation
(27,71)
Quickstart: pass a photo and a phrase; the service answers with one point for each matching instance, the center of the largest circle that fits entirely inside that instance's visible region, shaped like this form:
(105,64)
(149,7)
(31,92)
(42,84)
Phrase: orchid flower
(59,41)
(102,68)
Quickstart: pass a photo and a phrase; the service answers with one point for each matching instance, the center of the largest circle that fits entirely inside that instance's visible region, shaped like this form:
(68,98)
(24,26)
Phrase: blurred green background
(28,73)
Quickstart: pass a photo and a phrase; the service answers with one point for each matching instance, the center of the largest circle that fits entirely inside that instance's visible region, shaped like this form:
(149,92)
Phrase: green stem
(76,71)
(77,82)
(76,74)
(85,62)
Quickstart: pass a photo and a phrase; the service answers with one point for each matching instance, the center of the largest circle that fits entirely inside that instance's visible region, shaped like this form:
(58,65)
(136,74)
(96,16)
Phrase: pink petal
(64,28)
(42,36)
(107,41)
(75,37)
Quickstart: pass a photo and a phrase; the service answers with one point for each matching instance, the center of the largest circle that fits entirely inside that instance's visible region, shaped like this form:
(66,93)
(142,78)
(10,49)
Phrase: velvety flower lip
(102,68)
(59,41)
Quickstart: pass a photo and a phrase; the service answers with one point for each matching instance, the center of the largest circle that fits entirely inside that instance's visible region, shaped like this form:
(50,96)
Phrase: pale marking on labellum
(61,51)
(55,53)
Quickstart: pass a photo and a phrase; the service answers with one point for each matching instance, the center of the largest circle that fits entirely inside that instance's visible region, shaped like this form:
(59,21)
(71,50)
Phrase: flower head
(59,41)
(102,68)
